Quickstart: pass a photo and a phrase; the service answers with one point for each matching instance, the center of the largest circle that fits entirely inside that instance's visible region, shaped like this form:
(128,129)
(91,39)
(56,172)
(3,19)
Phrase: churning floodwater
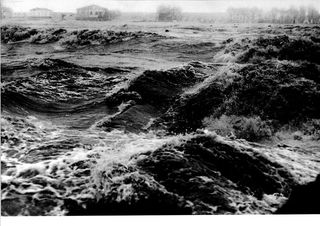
(111,122)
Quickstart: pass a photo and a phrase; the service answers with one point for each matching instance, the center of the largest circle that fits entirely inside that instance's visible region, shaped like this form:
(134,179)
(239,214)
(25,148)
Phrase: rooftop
(91,6)
(34,9)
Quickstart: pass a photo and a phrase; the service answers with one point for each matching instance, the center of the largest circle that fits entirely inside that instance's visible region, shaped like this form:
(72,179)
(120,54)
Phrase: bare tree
(312,15)
(293,14)
(109,15)
(168,13)
(5,12)
(289,16)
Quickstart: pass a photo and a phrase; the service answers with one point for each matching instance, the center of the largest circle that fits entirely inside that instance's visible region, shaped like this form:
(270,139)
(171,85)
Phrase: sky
(205,6)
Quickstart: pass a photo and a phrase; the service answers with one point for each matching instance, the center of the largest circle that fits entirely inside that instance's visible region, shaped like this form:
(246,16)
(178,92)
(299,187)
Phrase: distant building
(20,15)
(40,13)
(91,12)
(6,12)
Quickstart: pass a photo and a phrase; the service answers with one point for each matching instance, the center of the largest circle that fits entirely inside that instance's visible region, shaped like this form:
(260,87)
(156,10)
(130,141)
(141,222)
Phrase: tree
(302,14)
(312,15)
(109,15)
(168,13)
(293,14)
(5,12)
(275,15)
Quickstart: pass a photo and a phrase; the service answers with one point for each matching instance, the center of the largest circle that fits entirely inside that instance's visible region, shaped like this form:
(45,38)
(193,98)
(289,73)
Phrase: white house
(40,13)
(90,12)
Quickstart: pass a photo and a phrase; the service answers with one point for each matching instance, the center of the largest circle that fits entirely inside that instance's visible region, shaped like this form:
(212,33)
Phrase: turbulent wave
(71,39)
(45,167)
(56,86)
(95,140)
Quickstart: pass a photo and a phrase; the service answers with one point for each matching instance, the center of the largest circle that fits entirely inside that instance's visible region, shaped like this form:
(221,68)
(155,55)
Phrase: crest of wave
(126,145)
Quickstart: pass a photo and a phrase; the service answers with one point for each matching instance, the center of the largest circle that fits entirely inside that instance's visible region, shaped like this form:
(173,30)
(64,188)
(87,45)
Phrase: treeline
(5,12)
(293,15)
(109,15)
(168,13)
(307,15)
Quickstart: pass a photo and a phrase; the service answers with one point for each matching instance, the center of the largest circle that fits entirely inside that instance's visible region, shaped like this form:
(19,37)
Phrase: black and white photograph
(157,108)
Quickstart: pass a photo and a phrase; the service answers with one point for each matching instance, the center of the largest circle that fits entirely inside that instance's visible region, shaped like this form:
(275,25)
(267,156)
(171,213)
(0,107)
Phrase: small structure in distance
(95,12)
(40,13)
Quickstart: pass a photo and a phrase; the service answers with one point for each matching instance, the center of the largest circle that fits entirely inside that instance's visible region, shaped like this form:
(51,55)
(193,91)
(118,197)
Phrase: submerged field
(159,118)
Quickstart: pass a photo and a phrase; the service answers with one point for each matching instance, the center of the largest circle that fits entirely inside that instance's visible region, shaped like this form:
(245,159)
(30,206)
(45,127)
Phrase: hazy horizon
(196,6)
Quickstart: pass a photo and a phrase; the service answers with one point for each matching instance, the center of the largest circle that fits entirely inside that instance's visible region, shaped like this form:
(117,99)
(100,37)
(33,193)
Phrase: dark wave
(152,93)
(20,103)
(203,175)
(77,38)
(56,86)
(278,91)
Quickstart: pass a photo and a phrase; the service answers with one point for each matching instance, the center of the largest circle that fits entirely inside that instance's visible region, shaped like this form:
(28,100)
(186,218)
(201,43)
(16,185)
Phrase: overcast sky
(151,6)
